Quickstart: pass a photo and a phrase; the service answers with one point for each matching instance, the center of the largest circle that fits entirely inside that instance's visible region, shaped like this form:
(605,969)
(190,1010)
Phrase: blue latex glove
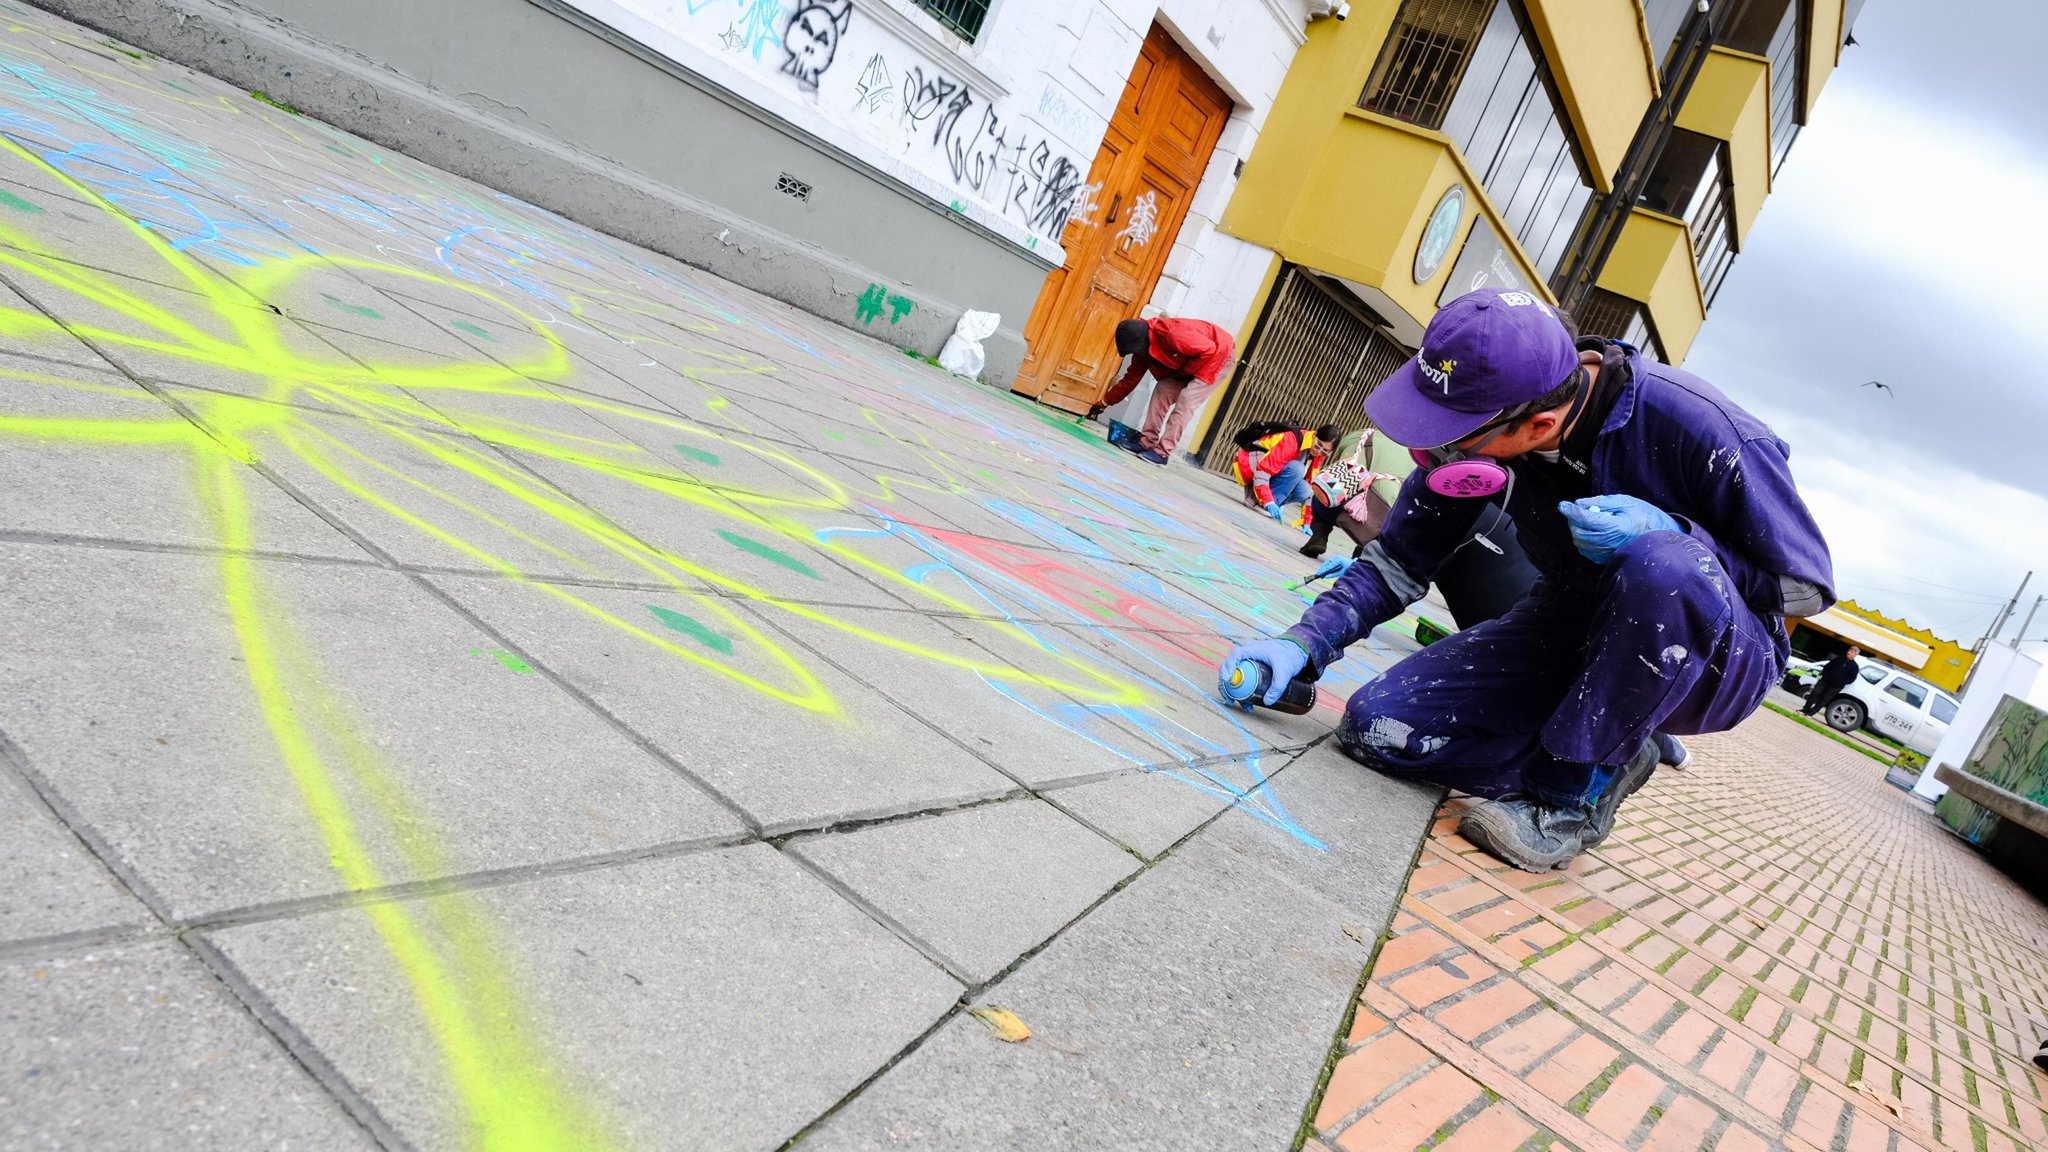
(1282,656)
(1332,568)
(1273,510)
(1601,525)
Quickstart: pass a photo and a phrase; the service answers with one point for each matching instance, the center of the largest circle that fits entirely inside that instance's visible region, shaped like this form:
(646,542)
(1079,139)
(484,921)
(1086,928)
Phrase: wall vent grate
(793,188)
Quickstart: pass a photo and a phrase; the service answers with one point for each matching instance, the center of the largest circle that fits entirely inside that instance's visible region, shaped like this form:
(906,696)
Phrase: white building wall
(1004,130)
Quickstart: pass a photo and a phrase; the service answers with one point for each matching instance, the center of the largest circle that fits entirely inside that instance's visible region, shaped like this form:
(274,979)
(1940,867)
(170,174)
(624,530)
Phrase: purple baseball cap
(1482,354)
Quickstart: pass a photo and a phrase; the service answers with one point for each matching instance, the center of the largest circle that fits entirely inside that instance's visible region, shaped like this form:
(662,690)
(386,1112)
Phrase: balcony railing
(1611,314)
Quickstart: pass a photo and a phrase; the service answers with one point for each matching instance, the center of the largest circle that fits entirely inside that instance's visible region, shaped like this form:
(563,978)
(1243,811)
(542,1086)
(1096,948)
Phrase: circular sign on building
(1437,236)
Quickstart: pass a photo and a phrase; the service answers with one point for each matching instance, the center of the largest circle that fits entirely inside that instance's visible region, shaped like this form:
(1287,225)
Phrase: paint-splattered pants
(1548,698)
(1162,432)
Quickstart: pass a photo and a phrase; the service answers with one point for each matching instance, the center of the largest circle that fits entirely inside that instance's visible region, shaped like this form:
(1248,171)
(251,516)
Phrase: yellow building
(1610,155)
(1937,659)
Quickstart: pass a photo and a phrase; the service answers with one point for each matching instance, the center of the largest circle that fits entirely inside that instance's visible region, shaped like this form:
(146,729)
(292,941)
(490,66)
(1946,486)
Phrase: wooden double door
(1117,240)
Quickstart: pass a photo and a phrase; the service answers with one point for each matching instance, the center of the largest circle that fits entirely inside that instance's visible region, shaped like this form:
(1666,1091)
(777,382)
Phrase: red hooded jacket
(1181,349)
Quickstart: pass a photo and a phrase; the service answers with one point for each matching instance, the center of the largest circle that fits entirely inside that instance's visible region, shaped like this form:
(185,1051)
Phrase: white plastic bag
(963,354)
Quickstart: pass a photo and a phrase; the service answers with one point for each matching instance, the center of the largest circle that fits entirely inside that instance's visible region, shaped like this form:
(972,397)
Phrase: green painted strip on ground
(353,309)
(1830,733)
(472,329)
(694,629)
(181,88)
(17,203)
(768,552)
(835,435)
(692,452)
(509,660)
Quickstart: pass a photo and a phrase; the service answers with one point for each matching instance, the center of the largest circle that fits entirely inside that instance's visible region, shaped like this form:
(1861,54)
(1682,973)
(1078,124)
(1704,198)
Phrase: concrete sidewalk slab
(50,885)
(412,749)
(980,887)
(139,1046)
(715,1001)
(792,741)
(1153,1018)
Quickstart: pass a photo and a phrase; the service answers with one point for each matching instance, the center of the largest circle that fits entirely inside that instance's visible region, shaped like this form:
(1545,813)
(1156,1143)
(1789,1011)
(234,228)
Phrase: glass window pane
(1945,709)
(1680,171)
(1906,690)
(1872,673)
(1664,18)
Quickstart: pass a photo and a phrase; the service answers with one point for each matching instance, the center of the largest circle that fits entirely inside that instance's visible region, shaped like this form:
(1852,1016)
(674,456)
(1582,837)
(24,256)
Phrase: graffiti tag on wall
(856,73)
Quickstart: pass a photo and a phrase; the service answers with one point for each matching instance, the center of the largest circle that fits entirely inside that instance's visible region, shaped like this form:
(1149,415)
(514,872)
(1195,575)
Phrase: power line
(1931,584)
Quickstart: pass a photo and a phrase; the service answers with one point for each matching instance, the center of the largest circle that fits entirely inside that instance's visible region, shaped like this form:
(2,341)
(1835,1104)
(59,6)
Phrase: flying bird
(1880,384)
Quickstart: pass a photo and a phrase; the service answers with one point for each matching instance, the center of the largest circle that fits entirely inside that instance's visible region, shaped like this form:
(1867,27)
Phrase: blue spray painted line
(1259,797)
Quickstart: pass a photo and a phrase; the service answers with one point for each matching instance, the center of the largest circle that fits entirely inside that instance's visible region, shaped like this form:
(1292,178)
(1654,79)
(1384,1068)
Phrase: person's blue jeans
(1290,484)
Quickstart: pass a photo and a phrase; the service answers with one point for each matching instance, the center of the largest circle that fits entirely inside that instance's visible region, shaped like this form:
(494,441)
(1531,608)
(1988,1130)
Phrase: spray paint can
(1249,681)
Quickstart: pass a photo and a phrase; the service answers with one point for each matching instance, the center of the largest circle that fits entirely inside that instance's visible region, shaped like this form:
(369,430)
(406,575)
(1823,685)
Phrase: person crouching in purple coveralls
(1670,545)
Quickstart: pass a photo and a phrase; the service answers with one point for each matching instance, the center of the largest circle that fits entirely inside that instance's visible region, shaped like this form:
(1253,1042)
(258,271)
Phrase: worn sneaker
(1630,777)
(1153,456)
(1525,833)
(1671,752)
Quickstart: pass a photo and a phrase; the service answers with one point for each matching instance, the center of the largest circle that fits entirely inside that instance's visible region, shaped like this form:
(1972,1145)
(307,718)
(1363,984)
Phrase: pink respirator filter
(1463,477)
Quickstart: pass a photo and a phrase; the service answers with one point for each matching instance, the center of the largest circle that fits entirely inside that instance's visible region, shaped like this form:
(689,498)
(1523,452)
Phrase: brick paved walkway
(1776,949)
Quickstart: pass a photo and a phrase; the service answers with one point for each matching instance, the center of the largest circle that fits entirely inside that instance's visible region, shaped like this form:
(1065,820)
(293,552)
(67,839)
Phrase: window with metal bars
(1425,57)
(964,17)
(1609,314)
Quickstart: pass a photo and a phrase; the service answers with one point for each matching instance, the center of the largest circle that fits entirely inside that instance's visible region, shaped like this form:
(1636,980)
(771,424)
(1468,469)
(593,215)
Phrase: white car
(1895,704)
(1800,673)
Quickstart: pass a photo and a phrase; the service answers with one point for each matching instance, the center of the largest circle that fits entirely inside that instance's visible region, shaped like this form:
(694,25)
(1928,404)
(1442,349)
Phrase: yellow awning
(1875,639)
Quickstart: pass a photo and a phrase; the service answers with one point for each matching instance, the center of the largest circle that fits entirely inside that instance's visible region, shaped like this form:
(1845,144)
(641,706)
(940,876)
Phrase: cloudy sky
(1906,240)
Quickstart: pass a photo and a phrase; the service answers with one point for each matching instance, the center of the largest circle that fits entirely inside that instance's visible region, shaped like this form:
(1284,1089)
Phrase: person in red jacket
(1187,358)
(1279,468)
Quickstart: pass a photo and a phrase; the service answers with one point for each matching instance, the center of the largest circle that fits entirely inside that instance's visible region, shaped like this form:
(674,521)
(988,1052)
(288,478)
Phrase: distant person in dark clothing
(1834,676)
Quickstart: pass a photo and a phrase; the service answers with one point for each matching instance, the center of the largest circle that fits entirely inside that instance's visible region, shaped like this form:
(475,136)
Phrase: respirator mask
(1463,471)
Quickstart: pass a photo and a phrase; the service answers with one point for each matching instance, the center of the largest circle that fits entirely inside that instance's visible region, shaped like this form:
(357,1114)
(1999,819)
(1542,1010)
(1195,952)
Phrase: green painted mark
(17,203)
(835,435)
(181,88)
(957,206)
(281,106)
(987,475)
(338,150)
(509,660)
(692,628)
(692,452)
(1066,423)
(767,552)
(899,307)
(472,329)
(870,304)
(353,309)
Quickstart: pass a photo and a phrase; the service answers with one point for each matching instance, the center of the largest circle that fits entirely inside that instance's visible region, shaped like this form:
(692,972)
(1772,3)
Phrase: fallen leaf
(1897,1108)
(1355,934)
(1001,1023)
(1878,1098)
